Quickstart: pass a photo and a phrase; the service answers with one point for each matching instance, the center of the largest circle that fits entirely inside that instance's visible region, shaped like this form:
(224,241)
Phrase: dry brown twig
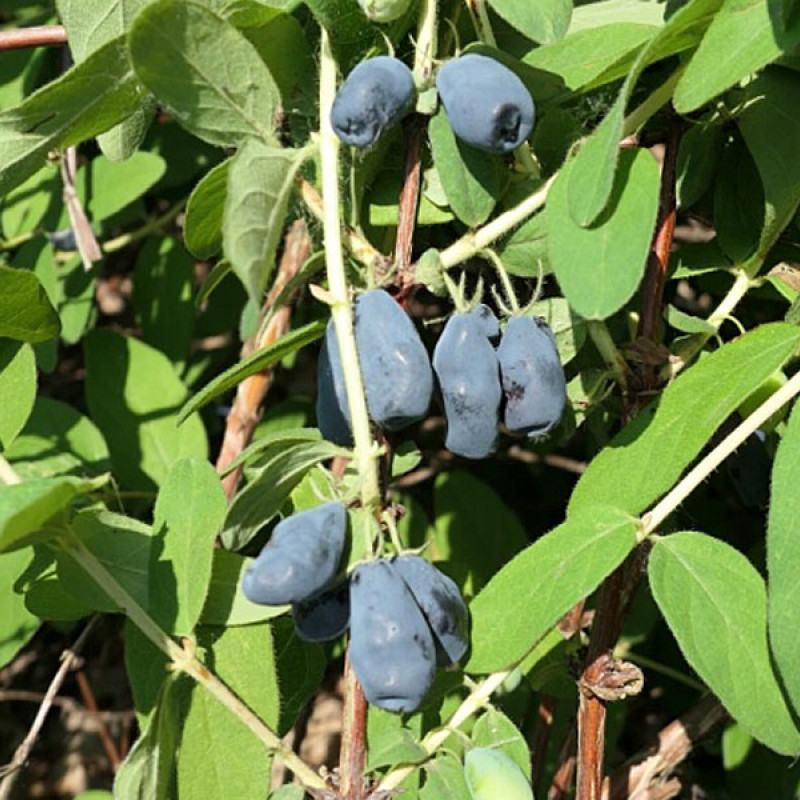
(246,411)
(69,660)
(85,239)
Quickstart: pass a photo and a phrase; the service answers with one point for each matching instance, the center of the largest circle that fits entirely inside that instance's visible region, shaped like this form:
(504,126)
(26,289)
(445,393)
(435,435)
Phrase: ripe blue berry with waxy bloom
(333,413)
(391,646)
(324,616)
(441,604)
(487,105)
(375,95)
(300,559)
(532,376)
(468,371)
(398,379)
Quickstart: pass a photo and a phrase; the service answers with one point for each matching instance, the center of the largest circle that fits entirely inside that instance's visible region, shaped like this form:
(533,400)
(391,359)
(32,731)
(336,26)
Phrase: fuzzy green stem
(476,700)
(483,26)
(153,226)
(184,660)
(341,310)
(426,44)
(655,517)
(608,350)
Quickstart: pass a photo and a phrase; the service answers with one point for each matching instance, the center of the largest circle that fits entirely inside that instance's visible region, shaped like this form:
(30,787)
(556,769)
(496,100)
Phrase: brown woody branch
(414,132)
(353,753)
(38,36)
(649,775)
(246,411)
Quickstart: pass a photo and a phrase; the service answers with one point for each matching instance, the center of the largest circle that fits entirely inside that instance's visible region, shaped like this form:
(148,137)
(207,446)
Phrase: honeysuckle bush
(203,131)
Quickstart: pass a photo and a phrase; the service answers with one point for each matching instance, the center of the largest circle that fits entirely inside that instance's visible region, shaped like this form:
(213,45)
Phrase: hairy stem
(185,660)
(609,352)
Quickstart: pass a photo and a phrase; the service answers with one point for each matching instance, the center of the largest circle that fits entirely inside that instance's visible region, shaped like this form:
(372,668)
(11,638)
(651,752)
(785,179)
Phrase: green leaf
(605,12)
(85,101)
(568,328)
(592,178)
(219,756)
(543,21)
(260,181)
(534,590)
(648,456)
(26,313)
(783,559)
(188,514)
(162,293)
(202,230)
(223,93)
(17,388)
(697,160)
(350,31)
(768,107)
(263,497)
(226,604)
(26,507)
(742,38)
(58,440)
(147,669)
(24,206)
(471,179)
(494,729)
(715,604)
(254,363)
(445,780)
(147,773)
(107,187)
(134,395)
(280,436)
(467,511)
(390,741)
(599,267)
(45,597)
(687,323)
(122,545)
(524,252)
(90,24)
(17,623)
(593,56)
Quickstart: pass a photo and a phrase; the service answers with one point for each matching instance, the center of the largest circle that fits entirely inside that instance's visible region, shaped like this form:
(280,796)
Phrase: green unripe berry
(491,775)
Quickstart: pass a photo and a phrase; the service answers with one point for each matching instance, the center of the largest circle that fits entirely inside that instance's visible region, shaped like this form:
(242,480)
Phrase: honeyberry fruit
(468,371)
(440,602)
(384,10)
(324,616)
(491,774)
(300,559)
(491,327)
(532,376)
(398,380)
(375,95)
(333,413)
(391,646)
(487,105)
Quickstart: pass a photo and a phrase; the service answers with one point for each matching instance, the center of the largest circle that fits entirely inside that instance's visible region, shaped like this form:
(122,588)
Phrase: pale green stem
(608,350)
(652,103)
(341,310)
(475,701)
(426,44)
(480,17)
(184,660)
(8,474)
(511,297)
(12,244)
(691,347)
(153,226)
(653,519)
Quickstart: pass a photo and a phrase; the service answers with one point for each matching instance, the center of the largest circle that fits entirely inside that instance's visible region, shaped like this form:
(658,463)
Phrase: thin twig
(649,771)
(102,731)
(414,133)
(69,659)
(246,411)
(37,36)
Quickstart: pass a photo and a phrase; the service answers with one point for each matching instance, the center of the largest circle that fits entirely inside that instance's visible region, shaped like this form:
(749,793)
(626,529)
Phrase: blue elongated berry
(300,559)
(324,616)
(375,95)
(491,327)
(487,105)
(441,603)
(532,376)
(468,371)
(391,646)
(333,413)
(394,363)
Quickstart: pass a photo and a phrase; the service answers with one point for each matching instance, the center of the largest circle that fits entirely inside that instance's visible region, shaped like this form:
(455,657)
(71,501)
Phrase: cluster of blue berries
(479,374)
(487,105)
(404,615)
